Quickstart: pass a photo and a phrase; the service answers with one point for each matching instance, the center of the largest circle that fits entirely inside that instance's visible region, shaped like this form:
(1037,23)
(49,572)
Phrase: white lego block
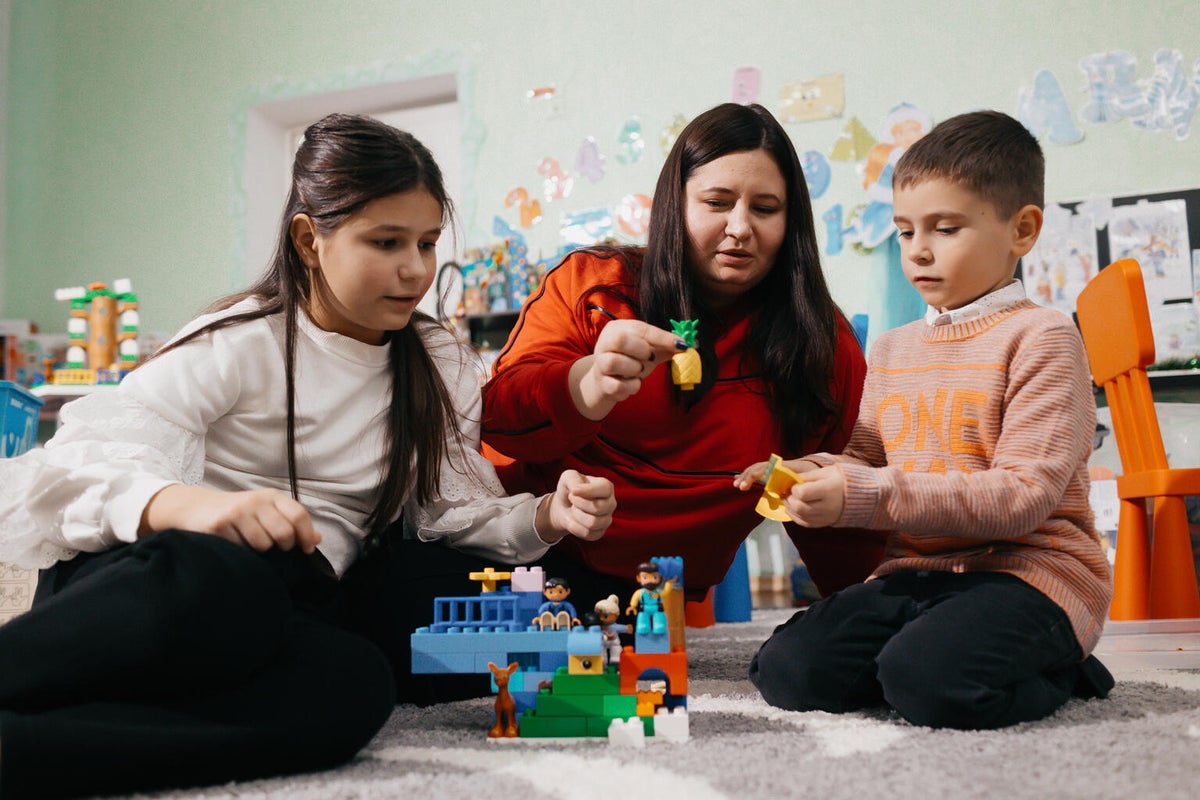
(627,733)
(528,579)
(671,725)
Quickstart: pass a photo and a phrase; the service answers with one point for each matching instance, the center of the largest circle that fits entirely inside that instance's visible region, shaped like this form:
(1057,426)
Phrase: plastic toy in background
(630,144)
(685,366)
(819,98)
(103,332)
(588,160)
(556,613)
(777,481)
(731,597)
(18,419)
(633,214)
(817,173)
(529,208)
(670,132)
(1044,110)
(804,591)
(558,680)
(557,184)
(506,708)
(745,85)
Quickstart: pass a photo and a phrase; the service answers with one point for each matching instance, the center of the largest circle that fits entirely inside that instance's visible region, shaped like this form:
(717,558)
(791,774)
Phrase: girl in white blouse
(190,625)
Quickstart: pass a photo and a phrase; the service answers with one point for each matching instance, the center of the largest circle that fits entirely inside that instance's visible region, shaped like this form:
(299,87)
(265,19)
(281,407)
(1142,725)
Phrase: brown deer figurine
(506,709)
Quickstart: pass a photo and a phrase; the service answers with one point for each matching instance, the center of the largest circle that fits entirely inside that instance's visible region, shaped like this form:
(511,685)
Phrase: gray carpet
(1142,742)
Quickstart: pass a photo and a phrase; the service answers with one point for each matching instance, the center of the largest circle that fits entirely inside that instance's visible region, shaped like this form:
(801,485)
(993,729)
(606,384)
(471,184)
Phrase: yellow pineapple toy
(777,481)
(685,366)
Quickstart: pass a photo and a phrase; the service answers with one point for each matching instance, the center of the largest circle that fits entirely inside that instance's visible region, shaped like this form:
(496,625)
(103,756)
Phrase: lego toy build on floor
(555,677)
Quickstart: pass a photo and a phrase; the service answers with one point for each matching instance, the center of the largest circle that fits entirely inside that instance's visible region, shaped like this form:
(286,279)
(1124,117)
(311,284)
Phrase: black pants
(981,650)
(182,659)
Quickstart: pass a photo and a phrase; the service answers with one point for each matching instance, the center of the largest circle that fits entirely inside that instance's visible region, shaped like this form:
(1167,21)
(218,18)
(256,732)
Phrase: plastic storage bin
(18,418)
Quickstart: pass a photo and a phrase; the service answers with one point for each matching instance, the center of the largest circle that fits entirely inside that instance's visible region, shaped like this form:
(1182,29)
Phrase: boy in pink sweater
(971,446)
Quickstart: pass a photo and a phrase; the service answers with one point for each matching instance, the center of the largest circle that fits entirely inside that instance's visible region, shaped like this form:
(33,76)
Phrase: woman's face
(735,210)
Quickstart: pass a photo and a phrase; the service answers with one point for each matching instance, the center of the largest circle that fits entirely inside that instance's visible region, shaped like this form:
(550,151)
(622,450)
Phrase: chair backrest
(1114,321)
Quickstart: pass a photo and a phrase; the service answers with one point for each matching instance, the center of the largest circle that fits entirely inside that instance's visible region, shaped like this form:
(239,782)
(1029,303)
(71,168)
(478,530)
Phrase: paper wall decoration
(854,142)
(819,98)
(557,184)
(630,143)
(1043,110)
(529,208)
(633,214)
(745,85)
(586,227)
(670,132)
(817,173)
(588,160)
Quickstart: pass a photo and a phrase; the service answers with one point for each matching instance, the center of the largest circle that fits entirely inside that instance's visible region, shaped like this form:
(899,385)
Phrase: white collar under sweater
(1008,295)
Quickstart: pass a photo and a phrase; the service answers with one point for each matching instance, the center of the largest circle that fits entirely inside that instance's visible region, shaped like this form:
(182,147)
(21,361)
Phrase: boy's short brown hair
(988,152)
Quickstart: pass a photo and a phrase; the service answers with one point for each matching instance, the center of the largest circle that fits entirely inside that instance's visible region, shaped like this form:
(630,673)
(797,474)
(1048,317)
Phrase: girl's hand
(581,506)
(259,519)
(819,500)
(626,352)
(753,473)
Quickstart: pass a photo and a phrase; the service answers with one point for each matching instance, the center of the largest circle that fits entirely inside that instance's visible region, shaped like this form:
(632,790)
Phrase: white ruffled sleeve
(472,512)
(87,488)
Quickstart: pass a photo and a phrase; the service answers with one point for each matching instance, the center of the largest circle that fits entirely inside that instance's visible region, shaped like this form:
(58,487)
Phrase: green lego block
(608,683)
(538,727)
(587,705)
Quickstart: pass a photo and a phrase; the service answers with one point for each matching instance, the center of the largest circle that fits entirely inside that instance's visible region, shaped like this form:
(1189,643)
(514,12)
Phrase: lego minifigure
(556,613)
(607,611)
(647,601)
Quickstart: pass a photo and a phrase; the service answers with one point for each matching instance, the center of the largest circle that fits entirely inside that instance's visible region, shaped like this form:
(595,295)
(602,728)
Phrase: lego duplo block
(455,663)
(586,705)
(534,726)
(635,664)
(652,642)
(585,642)
(528,579)
(607,683)
(18,419)
(626,733)
(671,726)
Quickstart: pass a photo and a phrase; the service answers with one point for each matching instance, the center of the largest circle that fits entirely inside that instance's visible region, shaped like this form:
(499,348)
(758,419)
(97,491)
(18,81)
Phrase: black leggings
(182,659)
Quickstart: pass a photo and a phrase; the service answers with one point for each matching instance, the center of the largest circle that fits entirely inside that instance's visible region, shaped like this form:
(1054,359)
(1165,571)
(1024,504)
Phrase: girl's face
(735,210)
(370,272)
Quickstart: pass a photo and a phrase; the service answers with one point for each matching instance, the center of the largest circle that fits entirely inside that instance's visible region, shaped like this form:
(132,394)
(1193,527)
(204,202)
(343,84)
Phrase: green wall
(125,118)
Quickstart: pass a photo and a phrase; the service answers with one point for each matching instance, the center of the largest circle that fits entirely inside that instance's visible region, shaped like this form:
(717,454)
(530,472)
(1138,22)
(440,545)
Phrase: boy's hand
(752,474)
(259,519)
(626,351)
(581,506)
(818,502)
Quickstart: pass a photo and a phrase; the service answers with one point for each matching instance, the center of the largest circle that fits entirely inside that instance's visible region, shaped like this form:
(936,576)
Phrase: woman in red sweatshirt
(580,383)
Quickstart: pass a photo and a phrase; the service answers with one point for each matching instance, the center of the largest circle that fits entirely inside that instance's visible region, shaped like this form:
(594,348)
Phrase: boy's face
(954,245)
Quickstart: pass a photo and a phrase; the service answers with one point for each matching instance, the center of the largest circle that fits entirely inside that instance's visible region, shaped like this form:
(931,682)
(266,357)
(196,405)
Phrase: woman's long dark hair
(344,163)
(797,328)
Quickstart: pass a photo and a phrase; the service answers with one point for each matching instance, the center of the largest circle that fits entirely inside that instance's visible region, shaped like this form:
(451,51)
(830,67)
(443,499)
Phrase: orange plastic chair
(1154,577)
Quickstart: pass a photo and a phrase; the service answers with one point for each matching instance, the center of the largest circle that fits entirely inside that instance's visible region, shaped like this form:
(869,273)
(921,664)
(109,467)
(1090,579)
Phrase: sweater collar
(999,300)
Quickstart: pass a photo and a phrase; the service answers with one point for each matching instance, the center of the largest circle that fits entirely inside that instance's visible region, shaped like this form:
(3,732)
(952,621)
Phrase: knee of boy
(923,695)
(785,681)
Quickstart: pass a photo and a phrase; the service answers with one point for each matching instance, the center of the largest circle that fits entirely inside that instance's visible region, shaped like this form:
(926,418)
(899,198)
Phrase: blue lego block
(652,642)
(731,597)
(585,643)
(455,663)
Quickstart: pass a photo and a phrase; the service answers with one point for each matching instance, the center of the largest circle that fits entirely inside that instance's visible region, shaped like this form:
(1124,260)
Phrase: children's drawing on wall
(630,143)
(1176,332)
(745,85)
(1165,101)
(819,98)
(1044,111)
(1063,260)
(544,100)
(1156,234)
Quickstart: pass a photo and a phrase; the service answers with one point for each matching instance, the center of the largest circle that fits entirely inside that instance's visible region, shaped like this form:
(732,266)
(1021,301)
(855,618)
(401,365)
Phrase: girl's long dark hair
(344,163)
(796,331)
